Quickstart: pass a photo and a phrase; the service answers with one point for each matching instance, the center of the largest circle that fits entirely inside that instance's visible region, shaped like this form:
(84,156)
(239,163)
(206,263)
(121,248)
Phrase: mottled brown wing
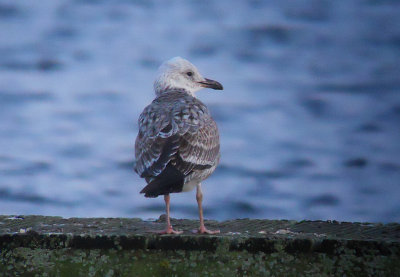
(176,136)
(199,149)
(156,142)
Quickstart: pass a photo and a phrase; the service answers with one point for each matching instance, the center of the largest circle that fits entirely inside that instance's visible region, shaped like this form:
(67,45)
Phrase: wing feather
(176,132)
(201,148)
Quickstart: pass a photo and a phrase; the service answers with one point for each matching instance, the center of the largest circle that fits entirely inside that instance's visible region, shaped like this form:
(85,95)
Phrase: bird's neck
(173,89)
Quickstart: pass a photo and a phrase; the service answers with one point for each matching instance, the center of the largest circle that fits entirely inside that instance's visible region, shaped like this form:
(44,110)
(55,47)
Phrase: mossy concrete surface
(55,246)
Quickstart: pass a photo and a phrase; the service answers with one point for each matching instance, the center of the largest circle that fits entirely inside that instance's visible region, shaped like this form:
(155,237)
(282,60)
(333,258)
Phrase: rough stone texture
(54,246)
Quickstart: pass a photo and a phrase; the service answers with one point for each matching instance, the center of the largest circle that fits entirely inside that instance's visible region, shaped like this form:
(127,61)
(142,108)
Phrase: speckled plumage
(176,134)
(178,142)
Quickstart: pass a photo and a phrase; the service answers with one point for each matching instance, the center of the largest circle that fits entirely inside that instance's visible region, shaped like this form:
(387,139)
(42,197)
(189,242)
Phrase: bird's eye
(189,73)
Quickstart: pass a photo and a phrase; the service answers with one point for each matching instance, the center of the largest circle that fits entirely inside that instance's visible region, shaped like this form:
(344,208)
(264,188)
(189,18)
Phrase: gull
(177,146)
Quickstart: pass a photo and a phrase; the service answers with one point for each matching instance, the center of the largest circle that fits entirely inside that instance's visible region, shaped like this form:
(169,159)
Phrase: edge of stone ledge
(129,234)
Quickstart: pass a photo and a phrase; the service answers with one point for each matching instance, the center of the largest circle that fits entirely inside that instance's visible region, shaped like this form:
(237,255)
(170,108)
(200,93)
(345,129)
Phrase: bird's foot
(169,230)
(204,230)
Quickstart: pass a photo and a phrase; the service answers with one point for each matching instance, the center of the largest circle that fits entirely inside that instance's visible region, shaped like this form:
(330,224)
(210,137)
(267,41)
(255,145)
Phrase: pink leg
(199,198)
(169,229)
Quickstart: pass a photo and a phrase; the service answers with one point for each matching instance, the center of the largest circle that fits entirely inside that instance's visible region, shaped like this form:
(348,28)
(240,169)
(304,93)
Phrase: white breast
(190,185)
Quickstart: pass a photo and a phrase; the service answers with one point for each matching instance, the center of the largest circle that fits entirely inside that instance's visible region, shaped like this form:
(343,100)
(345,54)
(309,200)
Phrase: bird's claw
(169,230)
(204,230)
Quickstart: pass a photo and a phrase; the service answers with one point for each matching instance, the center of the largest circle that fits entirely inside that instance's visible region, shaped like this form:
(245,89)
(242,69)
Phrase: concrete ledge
(124,247)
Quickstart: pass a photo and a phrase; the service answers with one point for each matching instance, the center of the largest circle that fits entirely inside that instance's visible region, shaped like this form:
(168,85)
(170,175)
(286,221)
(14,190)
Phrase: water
(309,117)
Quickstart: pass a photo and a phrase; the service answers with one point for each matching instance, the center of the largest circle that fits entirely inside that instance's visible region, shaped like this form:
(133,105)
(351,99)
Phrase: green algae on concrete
(54,246)
(97,262)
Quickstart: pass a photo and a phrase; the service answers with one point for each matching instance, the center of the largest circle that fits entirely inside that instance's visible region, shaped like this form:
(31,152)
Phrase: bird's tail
(169,181)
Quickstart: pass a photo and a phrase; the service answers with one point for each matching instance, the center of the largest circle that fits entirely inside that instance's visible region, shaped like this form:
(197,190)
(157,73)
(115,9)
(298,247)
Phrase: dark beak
(211,84)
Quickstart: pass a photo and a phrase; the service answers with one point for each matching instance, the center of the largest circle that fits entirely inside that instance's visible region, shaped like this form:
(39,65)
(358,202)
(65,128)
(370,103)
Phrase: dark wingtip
(147,193)
(169,181)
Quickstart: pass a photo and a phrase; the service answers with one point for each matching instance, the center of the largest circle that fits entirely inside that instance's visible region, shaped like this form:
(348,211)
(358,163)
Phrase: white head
(178,73)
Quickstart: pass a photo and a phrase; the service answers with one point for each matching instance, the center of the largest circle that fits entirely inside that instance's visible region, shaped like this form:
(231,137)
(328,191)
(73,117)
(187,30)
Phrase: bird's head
(178,73)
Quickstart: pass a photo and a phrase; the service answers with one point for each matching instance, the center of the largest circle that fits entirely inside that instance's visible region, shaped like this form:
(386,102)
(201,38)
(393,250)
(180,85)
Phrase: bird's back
(178,142)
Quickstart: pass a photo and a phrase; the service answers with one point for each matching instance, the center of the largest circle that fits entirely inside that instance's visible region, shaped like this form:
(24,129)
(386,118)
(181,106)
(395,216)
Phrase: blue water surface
(309,118)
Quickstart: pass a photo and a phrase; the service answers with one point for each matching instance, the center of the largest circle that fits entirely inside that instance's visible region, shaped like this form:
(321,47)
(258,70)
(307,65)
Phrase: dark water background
(309,118)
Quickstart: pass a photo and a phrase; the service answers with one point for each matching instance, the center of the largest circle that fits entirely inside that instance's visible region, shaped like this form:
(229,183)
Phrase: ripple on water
(77,150)
(8,10)
(21,97)
(274,33)
(322,200)
(359,162)
(7,195)
(47,65)
(247,172)
(315,106)
(13,167)
(370,127)
(299,163)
